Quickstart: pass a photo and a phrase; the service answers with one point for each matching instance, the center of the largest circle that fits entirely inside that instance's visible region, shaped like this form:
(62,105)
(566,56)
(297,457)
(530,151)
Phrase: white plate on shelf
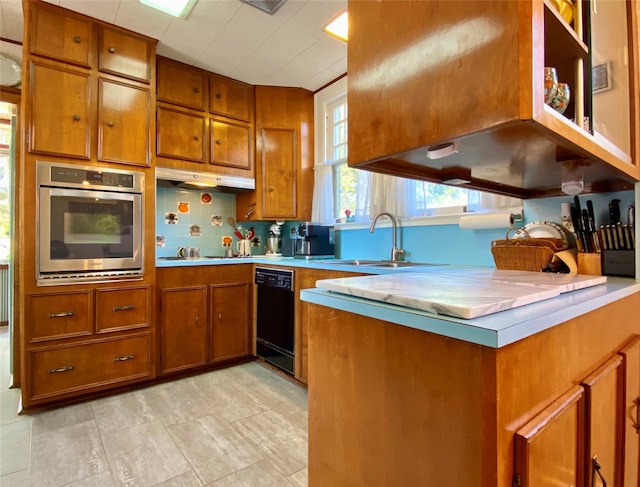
(542,229)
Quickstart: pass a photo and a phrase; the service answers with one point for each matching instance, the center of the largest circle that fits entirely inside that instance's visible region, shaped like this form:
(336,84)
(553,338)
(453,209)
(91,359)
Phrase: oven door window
(84,226)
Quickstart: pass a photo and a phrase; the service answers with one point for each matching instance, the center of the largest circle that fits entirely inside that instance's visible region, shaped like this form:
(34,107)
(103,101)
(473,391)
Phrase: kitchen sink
(375,263)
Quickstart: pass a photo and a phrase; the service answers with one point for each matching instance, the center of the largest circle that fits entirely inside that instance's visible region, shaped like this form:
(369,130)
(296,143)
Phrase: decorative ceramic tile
(171,218)
(206,198)
(195,230)
(183,207)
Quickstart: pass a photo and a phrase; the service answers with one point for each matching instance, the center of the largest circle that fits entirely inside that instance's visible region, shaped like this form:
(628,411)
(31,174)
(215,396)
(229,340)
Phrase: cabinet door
(230,304)
(231,98)
(183,326)
(125,54)
(549,449)
(631,358)
(231,144)
(181,135)
(60,120)
(604,431)
(180,84)
(278,159)
(60,34)
(123,123)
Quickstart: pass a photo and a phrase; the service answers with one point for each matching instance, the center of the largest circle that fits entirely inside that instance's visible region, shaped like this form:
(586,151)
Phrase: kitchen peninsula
(400,396)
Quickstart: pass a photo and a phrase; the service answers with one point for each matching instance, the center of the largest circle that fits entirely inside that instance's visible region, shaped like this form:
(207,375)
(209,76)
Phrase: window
(345,194)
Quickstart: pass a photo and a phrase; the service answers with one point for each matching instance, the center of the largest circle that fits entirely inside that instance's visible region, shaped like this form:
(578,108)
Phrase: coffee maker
(315,239)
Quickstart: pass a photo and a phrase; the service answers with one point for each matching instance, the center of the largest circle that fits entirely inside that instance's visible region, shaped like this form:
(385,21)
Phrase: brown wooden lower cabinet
(400,406)
(183,326)
(230,323)
(203,315)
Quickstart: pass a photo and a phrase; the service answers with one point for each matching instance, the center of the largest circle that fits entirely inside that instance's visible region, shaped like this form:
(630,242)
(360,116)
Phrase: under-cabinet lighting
(339,27)
(177,8)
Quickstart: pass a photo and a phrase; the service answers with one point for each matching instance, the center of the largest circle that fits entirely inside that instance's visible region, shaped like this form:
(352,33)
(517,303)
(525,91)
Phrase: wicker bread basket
(525,254)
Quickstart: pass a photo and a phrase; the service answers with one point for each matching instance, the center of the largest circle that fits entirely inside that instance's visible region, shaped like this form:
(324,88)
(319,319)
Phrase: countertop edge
(496,330)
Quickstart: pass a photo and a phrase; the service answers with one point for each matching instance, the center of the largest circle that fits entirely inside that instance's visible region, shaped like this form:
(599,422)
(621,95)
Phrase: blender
(274,240)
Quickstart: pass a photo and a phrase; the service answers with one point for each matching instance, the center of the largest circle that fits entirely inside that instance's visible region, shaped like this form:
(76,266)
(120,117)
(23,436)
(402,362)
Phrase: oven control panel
(278,278)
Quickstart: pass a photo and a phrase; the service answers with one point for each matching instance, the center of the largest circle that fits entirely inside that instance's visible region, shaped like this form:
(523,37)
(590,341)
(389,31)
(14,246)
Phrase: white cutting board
(456,296)
(563,282)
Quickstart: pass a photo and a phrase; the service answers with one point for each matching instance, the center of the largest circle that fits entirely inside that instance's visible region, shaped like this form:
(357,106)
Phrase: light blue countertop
(496,330)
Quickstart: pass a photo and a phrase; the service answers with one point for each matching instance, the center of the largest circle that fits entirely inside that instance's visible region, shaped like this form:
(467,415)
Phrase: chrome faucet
(395,251)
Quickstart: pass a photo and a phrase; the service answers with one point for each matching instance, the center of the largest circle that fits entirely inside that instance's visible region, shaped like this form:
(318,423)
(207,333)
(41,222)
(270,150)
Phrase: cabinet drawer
(59,315)
(122,308)
(72,368)
(125,54)
(60,34)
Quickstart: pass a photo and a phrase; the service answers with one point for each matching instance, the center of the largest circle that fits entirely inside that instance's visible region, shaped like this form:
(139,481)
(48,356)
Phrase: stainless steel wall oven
(90,223)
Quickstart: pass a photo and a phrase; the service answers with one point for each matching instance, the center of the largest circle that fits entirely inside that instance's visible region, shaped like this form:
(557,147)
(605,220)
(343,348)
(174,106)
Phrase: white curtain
(322,203)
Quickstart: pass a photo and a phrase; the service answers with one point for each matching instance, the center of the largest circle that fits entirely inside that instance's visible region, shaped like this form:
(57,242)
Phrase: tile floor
(241,426)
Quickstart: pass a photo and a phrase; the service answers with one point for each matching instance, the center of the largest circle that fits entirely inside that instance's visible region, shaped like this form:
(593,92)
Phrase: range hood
(200,179)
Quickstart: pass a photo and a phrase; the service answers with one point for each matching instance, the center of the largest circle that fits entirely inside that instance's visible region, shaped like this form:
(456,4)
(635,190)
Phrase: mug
(189,252)
(244,248)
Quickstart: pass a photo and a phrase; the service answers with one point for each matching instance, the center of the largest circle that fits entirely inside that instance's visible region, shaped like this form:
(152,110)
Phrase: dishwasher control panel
(278,278)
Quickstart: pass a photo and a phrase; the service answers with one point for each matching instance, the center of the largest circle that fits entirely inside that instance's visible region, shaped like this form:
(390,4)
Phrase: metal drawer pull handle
(196,90)
(126,307)
(66,368)
(64,314)
(76,117)
(123,358)
(637,425)
(77,39)
(595,469)
(112,50)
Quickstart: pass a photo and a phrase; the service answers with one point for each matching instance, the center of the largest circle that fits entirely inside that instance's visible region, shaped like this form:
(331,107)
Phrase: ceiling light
(177,8)
(339,27)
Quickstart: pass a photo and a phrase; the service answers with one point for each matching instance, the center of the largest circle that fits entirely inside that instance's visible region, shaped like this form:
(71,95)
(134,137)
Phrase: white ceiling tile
(240,37)
(189,38)
(105,10)
(11,24)
(279,49)
(145,20)
(327,75)
(312,18)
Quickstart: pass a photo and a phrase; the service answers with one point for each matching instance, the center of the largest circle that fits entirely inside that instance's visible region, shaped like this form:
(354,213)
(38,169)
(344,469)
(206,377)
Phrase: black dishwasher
(275,317)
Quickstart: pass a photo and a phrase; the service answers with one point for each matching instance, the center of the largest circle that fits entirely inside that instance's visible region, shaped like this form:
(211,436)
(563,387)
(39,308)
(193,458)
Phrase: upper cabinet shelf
(422,74)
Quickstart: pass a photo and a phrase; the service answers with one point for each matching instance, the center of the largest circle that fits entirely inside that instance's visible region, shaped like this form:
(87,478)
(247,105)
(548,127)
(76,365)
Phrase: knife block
(619,263)
(590,264)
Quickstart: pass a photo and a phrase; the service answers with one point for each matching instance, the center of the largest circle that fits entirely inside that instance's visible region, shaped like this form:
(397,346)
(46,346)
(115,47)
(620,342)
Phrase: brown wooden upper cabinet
(231,98)
(180,84)
(125,54)
(466,80)
(60,34)
(284,156)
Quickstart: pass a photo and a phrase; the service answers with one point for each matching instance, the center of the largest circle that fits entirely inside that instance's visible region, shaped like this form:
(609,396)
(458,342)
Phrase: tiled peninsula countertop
(494,330)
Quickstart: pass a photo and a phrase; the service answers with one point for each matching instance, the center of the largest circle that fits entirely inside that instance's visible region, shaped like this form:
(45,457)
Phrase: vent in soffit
(269,6)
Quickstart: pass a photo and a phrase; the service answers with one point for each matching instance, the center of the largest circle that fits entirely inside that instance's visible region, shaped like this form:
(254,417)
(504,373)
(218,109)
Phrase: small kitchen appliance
(274,240)
(315,239)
